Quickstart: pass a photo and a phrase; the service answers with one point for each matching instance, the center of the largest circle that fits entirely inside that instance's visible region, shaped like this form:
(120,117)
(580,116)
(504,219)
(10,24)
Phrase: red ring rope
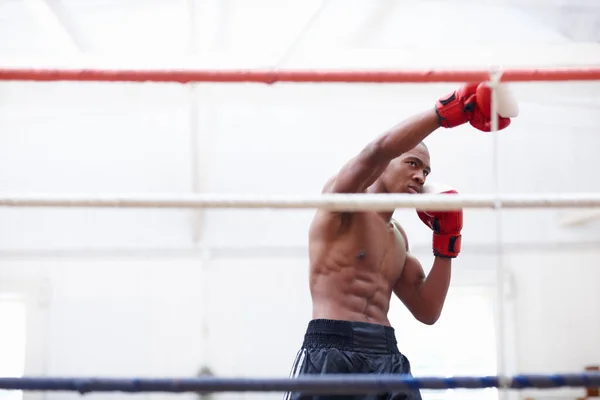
(273,76)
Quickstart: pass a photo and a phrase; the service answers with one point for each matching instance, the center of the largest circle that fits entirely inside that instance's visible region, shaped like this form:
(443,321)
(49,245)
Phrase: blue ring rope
(315,384)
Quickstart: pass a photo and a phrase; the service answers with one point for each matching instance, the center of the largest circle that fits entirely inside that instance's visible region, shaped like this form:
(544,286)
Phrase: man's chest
(380,245)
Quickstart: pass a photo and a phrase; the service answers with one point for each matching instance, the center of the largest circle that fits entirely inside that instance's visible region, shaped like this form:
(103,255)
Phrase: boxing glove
(472,102)
(446,225)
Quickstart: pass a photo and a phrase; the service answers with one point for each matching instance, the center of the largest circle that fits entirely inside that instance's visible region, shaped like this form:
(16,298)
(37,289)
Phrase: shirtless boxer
(357,260)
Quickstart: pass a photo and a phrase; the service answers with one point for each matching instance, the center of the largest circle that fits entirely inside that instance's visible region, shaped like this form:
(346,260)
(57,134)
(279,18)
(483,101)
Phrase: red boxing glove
(446,226)
(472,103)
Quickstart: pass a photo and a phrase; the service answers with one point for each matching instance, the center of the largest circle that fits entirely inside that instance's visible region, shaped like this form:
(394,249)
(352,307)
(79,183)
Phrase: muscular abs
(355,261)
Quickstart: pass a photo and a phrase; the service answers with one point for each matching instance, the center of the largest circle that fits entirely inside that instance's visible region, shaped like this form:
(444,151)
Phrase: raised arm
(361,171)
(469,103)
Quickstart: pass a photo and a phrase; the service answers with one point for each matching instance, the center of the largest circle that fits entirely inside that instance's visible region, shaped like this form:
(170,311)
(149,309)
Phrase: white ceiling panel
(22,33)
(274,28)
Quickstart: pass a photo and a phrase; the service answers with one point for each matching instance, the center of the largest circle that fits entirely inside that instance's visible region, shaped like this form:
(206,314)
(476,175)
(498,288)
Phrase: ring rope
(329,201)
(495,78)
(318,384)
(270,76)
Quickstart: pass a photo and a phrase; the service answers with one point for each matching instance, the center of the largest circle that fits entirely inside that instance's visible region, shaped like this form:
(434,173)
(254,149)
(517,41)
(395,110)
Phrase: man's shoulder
(327,187)
(401,230)
(397,225)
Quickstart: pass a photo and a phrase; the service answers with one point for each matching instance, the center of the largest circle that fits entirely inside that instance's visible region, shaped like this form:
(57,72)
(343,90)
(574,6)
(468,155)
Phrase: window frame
(36,295)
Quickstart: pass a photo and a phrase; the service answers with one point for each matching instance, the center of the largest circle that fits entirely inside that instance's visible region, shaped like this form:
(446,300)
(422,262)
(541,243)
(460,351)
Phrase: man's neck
(379,187)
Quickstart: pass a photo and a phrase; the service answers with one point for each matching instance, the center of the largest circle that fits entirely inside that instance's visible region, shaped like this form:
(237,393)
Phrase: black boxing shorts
(344,347)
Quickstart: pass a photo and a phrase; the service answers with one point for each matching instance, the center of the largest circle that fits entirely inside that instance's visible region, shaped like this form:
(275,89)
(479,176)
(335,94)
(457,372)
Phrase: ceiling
(66,27)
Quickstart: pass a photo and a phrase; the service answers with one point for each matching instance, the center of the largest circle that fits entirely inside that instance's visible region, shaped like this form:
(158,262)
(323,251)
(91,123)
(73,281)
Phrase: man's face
(407,173)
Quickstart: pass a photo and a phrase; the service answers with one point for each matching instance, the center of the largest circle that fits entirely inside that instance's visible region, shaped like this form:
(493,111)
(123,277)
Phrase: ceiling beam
(580,218)
(56,22)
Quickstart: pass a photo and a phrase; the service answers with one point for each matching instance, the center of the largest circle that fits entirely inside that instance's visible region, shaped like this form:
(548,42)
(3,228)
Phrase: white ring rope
(332,202)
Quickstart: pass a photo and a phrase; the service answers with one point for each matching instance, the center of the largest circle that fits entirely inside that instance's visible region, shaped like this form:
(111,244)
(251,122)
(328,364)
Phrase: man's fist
(472,103)
(446,226)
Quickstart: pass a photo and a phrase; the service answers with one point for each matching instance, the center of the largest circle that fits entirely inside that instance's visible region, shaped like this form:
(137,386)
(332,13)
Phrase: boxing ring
(322,384)
(329,384)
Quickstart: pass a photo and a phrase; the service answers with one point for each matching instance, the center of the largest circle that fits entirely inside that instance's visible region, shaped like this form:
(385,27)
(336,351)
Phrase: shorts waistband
(350,336)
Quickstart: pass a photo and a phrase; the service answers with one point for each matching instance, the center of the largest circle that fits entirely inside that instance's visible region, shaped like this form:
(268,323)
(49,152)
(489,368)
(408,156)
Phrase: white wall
(130,291)
(245,316)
